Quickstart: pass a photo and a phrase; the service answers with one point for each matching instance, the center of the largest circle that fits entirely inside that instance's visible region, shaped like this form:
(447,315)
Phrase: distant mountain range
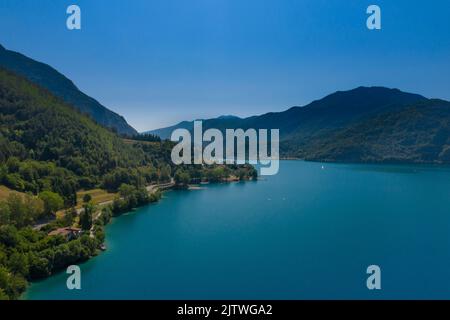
(50,79)
(366,124)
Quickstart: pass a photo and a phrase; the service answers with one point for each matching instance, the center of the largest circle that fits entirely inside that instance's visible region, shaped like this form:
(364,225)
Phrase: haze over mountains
(366,124)
(50,79)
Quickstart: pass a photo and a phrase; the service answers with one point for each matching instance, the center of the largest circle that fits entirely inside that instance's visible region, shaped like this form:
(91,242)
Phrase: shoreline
(400,163)
(151,189)
(38,292)
(202,186)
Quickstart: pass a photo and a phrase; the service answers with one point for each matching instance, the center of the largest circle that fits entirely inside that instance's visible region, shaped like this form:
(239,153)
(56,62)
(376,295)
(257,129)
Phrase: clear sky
(157,62)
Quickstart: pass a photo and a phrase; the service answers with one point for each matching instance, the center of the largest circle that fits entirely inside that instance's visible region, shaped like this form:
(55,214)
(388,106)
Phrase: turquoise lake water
(309,232)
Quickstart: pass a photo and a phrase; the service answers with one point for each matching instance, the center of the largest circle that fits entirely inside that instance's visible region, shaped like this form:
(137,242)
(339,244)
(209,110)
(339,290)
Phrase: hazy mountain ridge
(62,87)
(418,133)
(366,124)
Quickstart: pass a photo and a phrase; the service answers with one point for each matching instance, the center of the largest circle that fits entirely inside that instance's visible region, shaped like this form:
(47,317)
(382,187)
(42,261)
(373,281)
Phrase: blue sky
(159,62)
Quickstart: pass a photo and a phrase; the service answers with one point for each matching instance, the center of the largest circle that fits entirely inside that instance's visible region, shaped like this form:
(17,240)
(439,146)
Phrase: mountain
(46,144)
(334,110)
(48,152)
(417,133)
(366,124)
(62,87)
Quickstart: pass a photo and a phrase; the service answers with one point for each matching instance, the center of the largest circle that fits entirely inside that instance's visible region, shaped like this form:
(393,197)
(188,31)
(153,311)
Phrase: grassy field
(98,196)
(5,192)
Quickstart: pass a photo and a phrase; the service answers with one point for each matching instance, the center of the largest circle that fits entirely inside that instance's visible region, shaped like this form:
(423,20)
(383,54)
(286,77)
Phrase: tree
(23,210)
(39,266)
(87,198)
(69,217)
(52,202)
(14,181)
(3,295)
(18,263)
(242,174)
(17,210)
(9,236)
(3,257)
(182,177)
(4,282)
(100,235)
(35,207)
(126,190)
(106,214)
(216,174)
(5,213)
(164,174)
(13,285)
(155,196)
(86,216)
(13,164)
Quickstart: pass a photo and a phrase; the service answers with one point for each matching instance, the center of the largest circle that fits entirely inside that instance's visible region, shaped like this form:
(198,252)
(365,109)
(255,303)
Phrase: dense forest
(419,133)
(62,87)
(48,152)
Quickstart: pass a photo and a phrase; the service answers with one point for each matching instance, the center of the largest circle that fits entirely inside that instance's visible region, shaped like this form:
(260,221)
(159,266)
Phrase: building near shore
(69,233)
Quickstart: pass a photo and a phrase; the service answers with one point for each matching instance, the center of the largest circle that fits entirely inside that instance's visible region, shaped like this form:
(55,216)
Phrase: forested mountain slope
(49,78)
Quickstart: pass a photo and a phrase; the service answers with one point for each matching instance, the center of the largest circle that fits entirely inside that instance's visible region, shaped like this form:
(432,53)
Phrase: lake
(309,232)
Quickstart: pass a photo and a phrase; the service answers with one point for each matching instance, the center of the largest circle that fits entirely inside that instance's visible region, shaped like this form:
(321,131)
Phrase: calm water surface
(308,232)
